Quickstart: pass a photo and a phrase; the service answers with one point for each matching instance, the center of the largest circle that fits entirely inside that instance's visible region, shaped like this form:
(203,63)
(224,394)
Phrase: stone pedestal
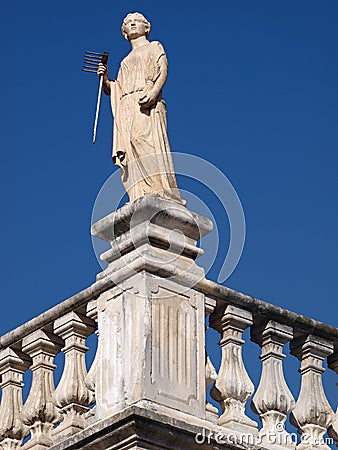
(139,427)
(151,321)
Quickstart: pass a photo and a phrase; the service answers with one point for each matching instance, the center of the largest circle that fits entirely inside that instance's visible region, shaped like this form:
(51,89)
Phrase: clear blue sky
(252,88)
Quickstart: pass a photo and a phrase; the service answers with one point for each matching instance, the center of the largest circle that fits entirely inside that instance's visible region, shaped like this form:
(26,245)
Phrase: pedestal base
(146,426)
(151,323)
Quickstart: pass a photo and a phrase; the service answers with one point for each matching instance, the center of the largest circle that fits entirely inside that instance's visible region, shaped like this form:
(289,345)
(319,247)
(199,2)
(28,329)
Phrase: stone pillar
(151,322)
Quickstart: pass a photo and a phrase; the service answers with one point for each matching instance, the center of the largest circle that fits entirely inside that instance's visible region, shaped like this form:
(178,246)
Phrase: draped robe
(140,141)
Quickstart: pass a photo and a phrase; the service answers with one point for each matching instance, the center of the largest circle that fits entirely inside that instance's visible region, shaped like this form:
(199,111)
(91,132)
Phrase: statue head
(133,24)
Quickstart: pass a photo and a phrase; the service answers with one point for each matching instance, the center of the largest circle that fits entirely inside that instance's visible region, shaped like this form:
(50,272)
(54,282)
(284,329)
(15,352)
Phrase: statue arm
(162,77)
(154,87)
(106,87)
(103,71)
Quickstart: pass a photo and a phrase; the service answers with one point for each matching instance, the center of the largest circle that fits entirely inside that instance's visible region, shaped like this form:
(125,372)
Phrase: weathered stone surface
(156,235)
(233,386)
(162,332)
(147,427)
(153,314)
(39,412)
(13,364)
(72,396)
(273,399)
(151,208)
(223,294)
(312,414)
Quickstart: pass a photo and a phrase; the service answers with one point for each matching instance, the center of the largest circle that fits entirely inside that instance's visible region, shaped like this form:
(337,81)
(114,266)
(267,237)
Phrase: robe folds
(140,141)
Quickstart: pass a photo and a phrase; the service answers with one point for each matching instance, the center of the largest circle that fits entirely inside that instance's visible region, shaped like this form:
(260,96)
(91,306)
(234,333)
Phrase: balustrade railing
(52,413)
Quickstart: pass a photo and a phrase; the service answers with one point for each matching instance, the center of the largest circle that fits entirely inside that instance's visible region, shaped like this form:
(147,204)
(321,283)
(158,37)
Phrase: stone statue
(140,142)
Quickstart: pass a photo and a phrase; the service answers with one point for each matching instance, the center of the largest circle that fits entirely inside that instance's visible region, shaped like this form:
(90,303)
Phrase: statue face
(134,27)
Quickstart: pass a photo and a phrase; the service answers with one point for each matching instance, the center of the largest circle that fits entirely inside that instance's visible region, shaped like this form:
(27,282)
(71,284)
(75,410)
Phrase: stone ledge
(154,209)
(145,426)
(210,288)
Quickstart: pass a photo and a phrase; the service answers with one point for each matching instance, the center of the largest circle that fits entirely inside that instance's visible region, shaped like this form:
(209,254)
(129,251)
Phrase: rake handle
(104,60)
(99,94)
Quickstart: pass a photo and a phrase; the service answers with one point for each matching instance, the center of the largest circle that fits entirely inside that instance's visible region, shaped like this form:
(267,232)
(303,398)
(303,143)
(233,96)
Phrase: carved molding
(173,359)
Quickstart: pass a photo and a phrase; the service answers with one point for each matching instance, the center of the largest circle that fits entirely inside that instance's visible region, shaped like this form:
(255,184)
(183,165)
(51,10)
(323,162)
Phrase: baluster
(333,364)
(313,413)
(13,364)
(210,371)
(210,377)
(39,412)
(233,386)
(91,376)
(72,395)
(90,379)
(273,399)
(333,429)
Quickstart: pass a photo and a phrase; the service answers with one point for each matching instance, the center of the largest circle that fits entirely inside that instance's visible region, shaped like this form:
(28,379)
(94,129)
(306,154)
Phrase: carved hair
(139,16)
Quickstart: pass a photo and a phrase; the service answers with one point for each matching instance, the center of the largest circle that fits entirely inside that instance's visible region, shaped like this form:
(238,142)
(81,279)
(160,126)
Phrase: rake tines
(91,63)
(92,60)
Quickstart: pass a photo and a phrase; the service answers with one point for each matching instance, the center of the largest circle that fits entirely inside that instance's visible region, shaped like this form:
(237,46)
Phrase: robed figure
(140,141)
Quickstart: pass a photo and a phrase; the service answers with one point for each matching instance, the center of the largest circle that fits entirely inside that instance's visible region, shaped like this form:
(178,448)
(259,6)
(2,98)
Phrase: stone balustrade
(51,414)
(151,356)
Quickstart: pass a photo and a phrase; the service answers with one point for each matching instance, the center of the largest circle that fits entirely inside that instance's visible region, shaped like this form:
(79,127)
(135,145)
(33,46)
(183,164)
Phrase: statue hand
(148,98)
(103,71)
